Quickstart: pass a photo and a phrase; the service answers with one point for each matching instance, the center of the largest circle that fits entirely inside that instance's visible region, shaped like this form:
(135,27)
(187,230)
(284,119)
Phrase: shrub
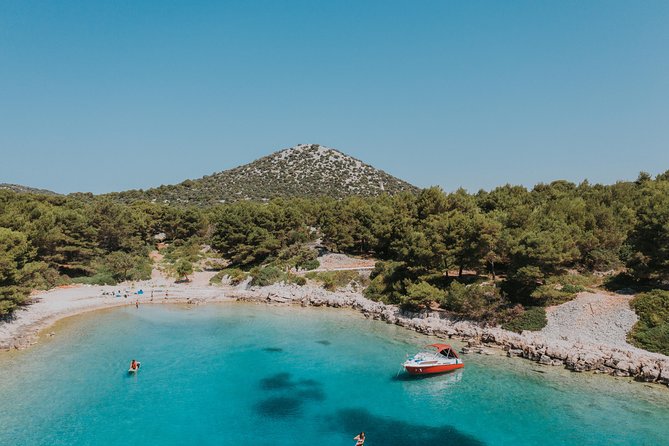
(388,282)
(11,297)
(654,339)
(334,280)
(521,283)
(190,251)
(550,294)
(214,265)
(310,265)
(532,319)
(182,269)
(560,289)
(267,275)
(475,301)
(100,278)
(339,279)
(651,332)
(123,266)
(421,295)
(300,257)
(235,276)
(572,289)
(621,281)
(297,280)
(40,276)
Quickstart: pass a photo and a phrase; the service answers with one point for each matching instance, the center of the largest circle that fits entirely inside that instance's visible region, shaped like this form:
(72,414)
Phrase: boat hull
(430,369)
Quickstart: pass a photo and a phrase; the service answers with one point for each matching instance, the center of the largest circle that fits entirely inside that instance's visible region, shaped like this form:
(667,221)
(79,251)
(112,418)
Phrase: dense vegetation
(50,240)
(488,256)
(498,256)
(652,330)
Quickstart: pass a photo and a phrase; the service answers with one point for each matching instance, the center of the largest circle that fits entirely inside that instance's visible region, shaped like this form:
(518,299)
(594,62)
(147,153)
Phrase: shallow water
(260,375)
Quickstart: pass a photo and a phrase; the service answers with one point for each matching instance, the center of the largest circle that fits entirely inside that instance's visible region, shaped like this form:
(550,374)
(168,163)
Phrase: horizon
(109,97)
(472,191)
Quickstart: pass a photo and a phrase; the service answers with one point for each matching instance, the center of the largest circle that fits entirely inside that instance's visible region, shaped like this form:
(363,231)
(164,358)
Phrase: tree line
(47,241)
(491,255)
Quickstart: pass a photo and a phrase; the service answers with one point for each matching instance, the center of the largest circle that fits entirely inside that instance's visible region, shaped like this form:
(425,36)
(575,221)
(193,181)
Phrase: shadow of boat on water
(447,377)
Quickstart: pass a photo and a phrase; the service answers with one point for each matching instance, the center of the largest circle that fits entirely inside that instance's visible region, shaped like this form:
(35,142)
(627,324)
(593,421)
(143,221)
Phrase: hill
(306,170)
(26,189)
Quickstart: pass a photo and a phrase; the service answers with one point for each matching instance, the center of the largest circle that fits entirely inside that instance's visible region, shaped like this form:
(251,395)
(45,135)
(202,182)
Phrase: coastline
(547,347)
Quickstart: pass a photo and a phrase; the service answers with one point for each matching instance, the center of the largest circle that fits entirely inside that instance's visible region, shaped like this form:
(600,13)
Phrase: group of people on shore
(125,294)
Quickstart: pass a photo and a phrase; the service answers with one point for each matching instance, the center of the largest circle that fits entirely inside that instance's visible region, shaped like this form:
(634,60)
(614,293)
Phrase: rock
(474,349)
(597,347)
(649,373)
(605,369)
(664,374)
(545,360)
(624,366)
(557,352)
(514,352)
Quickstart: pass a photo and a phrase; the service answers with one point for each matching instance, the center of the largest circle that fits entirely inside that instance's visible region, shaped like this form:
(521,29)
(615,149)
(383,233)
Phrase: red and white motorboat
(439,358)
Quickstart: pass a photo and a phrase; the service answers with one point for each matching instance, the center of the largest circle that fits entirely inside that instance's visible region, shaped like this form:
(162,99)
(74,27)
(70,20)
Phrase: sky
(112,95)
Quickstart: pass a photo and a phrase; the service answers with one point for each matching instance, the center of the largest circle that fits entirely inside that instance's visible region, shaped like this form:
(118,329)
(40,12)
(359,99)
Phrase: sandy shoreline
(586,334)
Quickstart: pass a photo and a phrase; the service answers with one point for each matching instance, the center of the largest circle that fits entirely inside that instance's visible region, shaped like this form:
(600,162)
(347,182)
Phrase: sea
(249,374)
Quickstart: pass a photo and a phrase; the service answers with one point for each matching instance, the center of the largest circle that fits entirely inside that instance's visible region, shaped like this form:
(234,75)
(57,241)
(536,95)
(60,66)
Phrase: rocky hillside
(306,170)
(25,189)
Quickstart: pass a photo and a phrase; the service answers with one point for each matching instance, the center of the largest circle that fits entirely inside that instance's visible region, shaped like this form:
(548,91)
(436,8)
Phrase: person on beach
(136,304)
(360,439)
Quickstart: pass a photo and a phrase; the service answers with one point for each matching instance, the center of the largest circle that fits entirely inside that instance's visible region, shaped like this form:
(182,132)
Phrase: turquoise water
(260,375)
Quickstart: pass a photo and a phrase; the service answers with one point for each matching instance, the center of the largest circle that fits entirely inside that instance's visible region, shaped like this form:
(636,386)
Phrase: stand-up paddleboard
(131,370)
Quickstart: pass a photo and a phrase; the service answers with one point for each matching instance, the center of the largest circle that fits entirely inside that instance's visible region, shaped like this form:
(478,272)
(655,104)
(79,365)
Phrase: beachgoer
(360,439)
(137,304)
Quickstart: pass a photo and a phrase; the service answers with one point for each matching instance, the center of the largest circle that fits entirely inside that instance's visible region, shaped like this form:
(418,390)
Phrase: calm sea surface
(259,375)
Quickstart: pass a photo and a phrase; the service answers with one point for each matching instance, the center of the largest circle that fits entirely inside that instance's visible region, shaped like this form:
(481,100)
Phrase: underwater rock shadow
(324,342)
(280,407)
(311,394)
(284,381)
(392,432)
(293,395)
(272,349)
(280,381)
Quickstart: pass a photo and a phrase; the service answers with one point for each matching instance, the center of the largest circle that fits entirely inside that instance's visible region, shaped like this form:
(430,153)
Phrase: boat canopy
(444,349)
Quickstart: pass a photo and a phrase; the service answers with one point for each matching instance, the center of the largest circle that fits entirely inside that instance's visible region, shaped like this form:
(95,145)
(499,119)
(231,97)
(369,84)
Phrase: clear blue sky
(111,95)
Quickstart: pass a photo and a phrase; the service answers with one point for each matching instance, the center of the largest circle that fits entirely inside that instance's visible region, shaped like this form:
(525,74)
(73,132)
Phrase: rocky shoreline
(607,352)
(623,361)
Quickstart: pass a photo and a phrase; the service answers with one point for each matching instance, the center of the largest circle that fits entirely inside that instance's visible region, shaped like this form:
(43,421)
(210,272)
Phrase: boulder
(557,352)
(514,352)
(545,360)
